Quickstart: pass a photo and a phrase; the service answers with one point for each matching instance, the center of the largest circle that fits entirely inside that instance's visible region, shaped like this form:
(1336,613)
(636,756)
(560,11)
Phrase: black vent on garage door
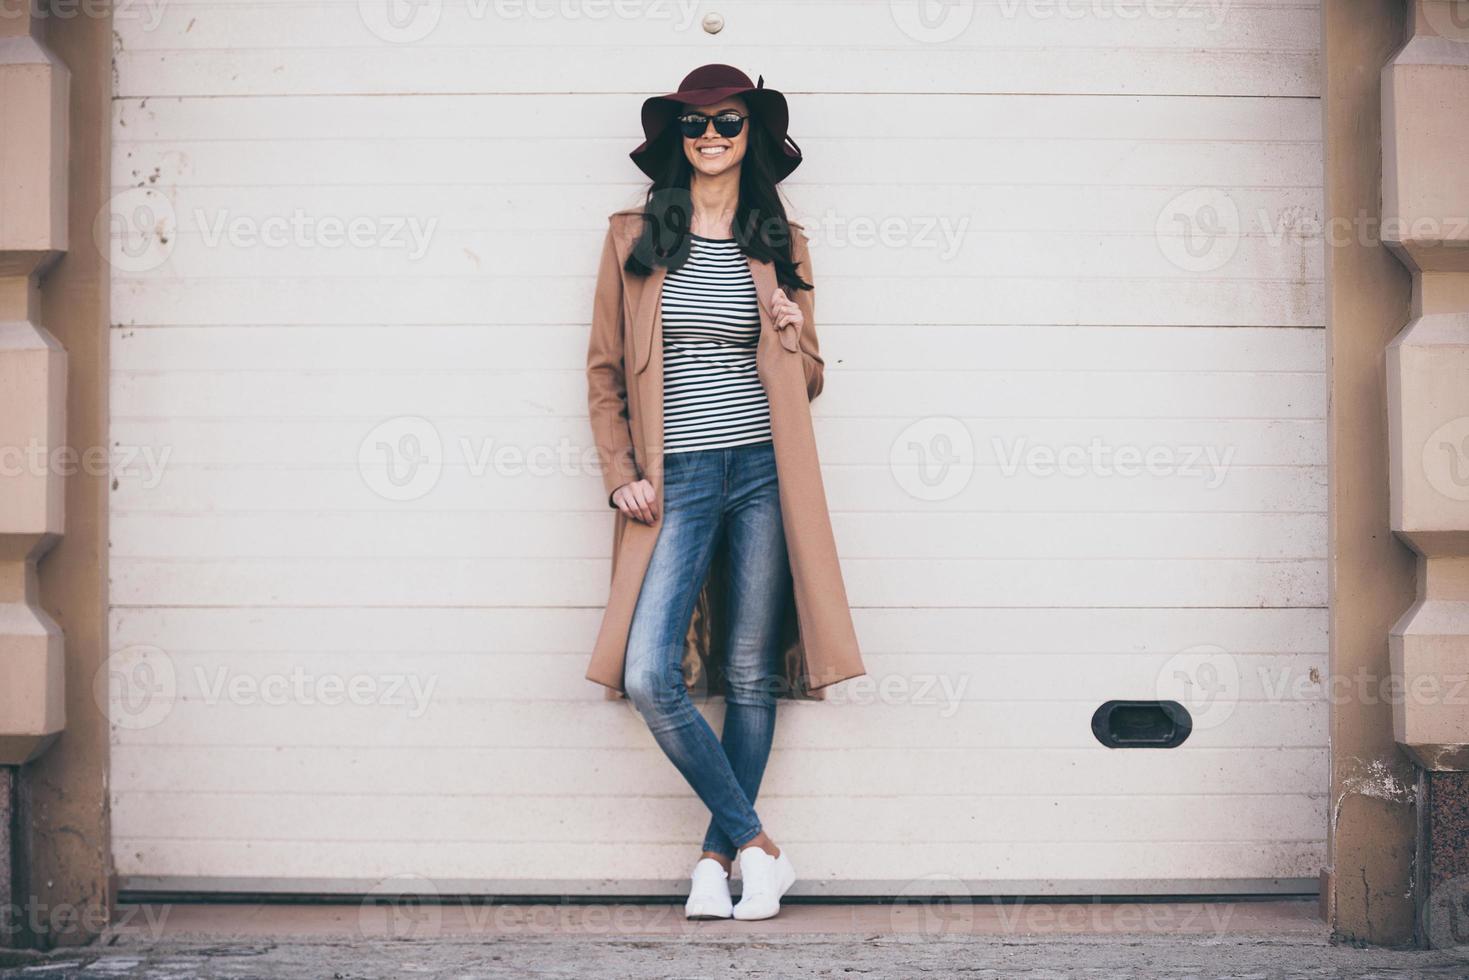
(1142,724)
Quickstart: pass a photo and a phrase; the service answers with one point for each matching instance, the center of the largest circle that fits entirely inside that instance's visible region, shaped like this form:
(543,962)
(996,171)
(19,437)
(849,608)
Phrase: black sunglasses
(726,124)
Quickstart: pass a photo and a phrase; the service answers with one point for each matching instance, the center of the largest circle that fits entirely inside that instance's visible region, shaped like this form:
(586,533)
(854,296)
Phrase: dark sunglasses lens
(729,126)
(726,124)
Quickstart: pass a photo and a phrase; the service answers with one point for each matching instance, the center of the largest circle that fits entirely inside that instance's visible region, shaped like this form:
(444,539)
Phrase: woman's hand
(637,500)
(785,312)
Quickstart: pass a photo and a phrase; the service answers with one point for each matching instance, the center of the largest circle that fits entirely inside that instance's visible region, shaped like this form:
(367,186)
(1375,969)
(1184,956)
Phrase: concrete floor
(1208,939)
(1282,919)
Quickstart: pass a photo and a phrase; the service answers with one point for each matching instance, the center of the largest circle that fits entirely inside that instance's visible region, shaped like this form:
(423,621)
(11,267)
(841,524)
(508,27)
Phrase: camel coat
(625,406)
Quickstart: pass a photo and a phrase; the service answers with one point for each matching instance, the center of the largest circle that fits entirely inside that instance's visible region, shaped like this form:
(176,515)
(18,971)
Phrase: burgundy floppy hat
(708,84)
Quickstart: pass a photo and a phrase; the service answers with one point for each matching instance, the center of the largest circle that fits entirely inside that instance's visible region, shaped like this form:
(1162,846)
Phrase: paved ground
(1033,942)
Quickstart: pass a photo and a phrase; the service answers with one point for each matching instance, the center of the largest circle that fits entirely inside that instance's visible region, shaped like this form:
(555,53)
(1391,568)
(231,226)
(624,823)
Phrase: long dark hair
(760,227)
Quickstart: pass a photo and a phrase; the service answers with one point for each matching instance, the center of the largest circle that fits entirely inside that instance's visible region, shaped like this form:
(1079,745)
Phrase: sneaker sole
(702,912)
(757,918)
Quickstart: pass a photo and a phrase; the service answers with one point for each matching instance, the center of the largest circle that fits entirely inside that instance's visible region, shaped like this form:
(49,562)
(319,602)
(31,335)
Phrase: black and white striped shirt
(712,397)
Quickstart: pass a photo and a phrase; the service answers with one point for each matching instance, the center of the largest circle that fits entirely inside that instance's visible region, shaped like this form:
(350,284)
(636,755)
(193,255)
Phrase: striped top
(712,397)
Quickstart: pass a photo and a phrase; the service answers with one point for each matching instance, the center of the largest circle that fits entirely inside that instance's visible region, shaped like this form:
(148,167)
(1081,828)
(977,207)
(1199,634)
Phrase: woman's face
(712,154)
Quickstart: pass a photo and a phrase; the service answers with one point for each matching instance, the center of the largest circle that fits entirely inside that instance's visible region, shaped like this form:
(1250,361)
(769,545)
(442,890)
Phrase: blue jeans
(708,493)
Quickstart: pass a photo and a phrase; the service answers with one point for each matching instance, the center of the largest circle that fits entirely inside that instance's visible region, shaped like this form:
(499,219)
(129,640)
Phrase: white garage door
(1073,438)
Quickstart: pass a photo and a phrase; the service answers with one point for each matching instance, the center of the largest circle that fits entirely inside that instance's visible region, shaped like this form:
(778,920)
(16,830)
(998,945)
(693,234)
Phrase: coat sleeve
(805,299)
(607,378)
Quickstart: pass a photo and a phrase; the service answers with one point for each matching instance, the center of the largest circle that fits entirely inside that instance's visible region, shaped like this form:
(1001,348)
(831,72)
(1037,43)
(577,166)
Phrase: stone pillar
(1425,197)
(34,96)
(1366,888)
(33,232)
(66,814)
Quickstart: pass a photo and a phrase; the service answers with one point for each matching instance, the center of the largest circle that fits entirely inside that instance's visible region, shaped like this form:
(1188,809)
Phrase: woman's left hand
(785,312)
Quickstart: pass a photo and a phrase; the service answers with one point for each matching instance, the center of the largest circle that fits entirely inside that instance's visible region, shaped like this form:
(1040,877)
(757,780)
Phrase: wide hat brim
(703,86)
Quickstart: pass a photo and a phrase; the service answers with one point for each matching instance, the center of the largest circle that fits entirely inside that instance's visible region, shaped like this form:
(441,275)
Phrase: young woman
(700,370)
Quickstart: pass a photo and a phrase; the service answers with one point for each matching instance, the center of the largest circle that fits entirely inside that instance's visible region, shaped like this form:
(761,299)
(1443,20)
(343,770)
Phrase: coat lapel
(648,303)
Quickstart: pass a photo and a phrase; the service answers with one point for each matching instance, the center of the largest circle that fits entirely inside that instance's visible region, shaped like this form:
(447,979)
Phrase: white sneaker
(709,891)
(766,879)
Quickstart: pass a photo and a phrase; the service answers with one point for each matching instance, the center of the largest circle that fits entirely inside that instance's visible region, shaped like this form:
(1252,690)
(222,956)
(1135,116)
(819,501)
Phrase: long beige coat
(625,405)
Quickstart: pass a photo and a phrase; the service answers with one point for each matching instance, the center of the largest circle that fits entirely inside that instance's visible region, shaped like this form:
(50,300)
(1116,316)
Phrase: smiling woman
(710,460)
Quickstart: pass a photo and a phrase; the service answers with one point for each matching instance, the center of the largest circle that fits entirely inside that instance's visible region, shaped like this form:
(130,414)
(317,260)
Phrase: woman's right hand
(637,500)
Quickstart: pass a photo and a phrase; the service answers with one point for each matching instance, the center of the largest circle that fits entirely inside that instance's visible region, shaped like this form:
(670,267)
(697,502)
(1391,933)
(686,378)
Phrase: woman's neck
(715,200)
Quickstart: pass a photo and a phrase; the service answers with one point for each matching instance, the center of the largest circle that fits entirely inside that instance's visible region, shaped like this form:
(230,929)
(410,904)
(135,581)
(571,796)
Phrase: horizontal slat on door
(943,679)
(921,722)
(283,535)
(898,769)
(1249,489)
(369,346)
(996,158)
(419,249)
(465,818)
(989,391)
(930,213)
(1045,298)
(148,445)
(994,116)
(529,630)
(870,582)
